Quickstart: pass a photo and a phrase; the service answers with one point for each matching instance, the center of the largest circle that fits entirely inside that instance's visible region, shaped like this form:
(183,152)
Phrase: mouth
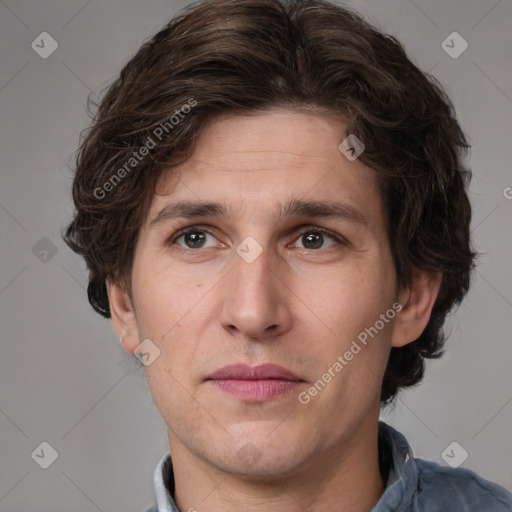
(255,384)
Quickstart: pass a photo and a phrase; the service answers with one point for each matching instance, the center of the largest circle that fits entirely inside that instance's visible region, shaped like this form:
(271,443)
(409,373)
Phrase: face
(267,275)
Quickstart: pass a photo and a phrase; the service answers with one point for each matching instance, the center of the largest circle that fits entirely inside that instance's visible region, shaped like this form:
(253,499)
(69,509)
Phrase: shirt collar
(397,497)
(163,474)
(403,475)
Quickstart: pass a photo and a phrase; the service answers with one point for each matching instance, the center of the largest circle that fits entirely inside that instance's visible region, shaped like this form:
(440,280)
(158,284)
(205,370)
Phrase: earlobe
(123,316)
(417,303)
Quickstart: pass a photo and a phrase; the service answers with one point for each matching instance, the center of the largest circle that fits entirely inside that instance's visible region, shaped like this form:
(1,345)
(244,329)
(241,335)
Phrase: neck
(344,477)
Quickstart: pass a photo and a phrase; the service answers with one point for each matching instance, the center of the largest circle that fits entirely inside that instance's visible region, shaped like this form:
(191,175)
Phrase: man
(273,209)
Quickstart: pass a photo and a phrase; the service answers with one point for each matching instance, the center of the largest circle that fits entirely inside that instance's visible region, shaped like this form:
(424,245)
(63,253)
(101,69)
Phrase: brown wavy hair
(239,56)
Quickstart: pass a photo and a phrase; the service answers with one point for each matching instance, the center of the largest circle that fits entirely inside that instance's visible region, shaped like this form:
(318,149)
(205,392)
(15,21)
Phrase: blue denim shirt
(413,485)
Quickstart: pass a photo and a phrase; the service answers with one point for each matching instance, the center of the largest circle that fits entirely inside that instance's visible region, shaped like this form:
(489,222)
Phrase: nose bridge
(253,253)
(251,276)
(252,301)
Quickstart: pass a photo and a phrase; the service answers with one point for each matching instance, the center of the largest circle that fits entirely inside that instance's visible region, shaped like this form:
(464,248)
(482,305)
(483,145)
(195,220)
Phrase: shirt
(412,484)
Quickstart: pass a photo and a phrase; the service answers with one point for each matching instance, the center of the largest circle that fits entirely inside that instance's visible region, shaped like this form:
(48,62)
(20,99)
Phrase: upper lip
(246,372)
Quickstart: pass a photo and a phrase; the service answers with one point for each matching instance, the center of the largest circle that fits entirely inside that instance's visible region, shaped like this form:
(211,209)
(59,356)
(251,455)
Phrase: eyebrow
(296,207)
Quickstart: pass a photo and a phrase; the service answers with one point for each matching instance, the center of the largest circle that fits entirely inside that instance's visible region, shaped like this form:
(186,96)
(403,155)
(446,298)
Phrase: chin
(261,456)
(269,467)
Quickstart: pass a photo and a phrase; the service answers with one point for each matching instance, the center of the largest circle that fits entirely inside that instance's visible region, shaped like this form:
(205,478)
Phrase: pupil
(194,239)
(311,237)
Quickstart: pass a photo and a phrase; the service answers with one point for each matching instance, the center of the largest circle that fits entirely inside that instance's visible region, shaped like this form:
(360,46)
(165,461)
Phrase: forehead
(256,163)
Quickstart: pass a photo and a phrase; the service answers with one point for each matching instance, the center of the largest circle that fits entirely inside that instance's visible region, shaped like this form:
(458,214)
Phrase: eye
(314,237)
(193,237)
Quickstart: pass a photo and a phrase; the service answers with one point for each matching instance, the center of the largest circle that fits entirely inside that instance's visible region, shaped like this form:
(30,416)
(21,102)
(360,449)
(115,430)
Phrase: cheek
(350,305)
(173,397)
(163,296)
(349,299)
(167,313)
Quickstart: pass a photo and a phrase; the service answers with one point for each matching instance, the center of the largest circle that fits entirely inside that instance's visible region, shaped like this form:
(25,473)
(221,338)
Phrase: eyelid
(341,240)
(188,229)
(336,236)
(192,227)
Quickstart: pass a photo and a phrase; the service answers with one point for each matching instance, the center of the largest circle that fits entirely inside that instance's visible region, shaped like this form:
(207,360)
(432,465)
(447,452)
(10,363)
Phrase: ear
(417,303)
(123,316)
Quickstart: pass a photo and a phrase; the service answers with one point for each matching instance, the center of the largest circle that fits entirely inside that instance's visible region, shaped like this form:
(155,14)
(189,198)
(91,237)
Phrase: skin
(299,304)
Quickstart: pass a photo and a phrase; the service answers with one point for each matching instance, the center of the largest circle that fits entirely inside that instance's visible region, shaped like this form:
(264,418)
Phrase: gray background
(65,379)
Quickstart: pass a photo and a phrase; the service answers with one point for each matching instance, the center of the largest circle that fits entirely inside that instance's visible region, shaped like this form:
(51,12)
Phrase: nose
(256,299)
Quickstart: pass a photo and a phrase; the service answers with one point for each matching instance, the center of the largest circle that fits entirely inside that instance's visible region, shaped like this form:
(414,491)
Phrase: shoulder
(461,489)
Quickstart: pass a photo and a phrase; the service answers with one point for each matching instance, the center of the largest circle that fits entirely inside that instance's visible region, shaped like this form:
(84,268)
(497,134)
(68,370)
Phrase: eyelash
(306,229)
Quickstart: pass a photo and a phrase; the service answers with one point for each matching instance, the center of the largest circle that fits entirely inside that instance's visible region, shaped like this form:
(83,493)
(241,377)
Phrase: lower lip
(256,390)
